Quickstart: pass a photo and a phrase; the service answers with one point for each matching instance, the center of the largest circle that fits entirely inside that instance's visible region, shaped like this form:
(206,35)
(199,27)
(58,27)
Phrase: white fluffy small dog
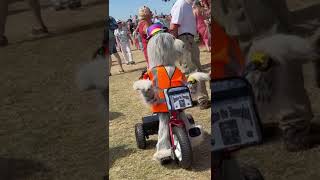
(94,76)
(164,51)
(279,89)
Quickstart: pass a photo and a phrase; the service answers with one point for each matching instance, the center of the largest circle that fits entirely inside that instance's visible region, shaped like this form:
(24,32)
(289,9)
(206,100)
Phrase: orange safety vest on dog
(160,81)
(226,57)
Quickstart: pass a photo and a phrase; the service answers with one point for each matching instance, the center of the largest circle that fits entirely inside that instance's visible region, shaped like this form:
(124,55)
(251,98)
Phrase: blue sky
(122,9)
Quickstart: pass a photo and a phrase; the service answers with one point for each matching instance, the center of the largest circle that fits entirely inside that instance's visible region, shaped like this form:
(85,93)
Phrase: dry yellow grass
(127,109)
(49,129)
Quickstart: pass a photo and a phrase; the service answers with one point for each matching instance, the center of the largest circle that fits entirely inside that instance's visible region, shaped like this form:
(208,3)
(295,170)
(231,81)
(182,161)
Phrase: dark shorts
(112,47)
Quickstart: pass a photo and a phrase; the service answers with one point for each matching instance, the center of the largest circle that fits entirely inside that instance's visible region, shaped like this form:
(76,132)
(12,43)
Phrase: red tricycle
(181,133)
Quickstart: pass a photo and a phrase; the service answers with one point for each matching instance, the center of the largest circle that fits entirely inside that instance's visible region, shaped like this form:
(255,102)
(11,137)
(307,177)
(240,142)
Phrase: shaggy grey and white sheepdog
(164,50)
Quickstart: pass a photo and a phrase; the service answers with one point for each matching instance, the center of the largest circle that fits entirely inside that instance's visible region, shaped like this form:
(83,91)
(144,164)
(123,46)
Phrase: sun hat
(154,29)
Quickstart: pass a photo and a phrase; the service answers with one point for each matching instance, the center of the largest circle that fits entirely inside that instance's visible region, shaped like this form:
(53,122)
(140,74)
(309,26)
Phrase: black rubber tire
(140,137)
(251,173)
(185,145)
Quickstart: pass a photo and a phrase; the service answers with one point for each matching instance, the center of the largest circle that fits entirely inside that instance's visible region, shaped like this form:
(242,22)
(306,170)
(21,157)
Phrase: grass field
(49,129)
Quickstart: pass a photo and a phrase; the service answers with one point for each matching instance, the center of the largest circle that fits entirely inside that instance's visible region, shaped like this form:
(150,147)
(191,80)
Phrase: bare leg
(123,52)
(73,4)
(208,47)
(36,9)
(119,60)
(208,41)
(283,13)
(129,53)
(3,20)
(109,61)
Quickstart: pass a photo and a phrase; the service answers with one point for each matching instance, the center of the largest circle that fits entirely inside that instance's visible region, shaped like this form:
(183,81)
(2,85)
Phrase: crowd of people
(62,4)
(131,33)
(39,27)
(187,20)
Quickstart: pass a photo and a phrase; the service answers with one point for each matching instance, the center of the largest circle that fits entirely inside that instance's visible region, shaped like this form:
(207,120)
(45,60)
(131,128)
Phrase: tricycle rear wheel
(140,136)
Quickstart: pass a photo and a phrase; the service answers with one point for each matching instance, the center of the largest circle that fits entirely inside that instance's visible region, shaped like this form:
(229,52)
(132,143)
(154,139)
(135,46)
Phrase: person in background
(140,41)
(135,34)
(206,11)
(164,21)
(206,4)
(156,19)
(137,40)
(38,26)
(135,20)
(62,4)
(130,27)
(183,26)
(112,43)
(167,19)
(123,37)
(145,20)
(202,25)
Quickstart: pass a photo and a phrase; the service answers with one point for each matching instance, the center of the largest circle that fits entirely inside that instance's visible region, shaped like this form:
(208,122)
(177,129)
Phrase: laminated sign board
(234,118)
(178,98)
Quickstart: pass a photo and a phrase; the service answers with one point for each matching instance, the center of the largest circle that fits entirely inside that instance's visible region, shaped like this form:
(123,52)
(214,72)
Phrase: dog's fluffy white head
(164,49)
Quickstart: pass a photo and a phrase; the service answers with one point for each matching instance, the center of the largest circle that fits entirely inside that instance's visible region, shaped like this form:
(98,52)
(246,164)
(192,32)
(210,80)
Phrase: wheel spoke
(177,150)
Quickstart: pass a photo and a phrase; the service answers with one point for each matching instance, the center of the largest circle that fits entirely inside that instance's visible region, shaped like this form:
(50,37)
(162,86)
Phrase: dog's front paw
(142,85)
(198,76)
(161,154)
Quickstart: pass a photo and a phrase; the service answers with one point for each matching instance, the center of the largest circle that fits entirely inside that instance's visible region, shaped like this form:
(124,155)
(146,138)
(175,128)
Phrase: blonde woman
(145,20)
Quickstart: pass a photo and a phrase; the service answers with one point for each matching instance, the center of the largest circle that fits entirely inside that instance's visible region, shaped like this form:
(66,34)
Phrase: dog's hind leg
(163,144)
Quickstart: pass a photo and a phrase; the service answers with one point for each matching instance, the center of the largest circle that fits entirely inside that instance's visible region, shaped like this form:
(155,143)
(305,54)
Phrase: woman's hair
(197,3)
(143,12)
